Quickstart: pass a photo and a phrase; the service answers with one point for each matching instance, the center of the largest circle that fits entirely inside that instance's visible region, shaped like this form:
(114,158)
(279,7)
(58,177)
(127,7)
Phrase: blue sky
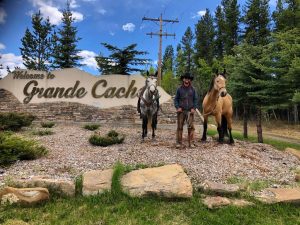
(117,22)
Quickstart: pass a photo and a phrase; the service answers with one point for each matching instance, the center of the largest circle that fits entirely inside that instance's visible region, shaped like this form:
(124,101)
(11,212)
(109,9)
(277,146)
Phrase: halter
(148,103)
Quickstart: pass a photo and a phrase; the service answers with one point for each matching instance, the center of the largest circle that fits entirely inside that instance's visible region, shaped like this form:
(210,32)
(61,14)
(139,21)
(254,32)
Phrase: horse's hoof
(231,142)
(203,139)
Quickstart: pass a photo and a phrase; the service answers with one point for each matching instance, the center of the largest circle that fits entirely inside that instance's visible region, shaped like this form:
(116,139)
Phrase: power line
(160,34)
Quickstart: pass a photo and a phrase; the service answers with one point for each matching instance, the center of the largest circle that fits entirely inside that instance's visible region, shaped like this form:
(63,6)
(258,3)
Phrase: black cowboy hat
(187,75)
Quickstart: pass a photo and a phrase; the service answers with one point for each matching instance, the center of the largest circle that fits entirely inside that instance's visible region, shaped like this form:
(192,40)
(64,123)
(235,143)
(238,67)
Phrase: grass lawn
(110,209)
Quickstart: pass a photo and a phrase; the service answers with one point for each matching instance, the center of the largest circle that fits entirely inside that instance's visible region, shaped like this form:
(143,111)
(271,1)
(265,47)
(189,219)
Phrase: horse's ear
(147,73)
(224,72)
(217,72)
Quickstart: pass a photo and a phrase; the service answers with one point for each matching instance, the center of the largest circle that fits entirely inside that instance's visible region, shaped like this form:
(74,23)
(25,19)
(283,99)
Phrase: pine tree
(256,20)
(220,32)
(231,29)
(187,48)
(119,61)
(168,59)
(179,61)
(65,52)
(36,46)
(204,46)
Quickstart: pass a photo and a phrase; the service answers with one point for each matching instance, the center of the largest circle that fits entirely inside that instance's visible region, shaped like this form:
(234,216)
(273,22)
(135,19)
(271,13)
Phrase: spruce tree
(256,20)
(220,32)
(231,26)
(36,45)
(187,48)
(65,52)
(168,59)
(179,61)
(205,33)
(120,60)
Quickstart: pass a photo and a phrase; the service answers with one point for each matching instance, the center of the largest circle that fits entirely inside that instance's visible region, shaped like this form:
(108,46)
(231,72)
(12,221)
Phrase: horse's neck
(213,95)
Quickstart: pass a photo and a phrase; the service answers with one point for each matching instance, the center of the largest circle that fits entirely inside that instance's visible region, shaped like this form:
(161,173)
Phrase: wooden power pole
(160,34)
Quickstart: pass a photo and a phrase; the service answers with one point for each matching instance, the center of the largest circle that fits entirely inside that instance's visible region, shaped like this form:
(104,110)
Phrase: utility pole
(160,34)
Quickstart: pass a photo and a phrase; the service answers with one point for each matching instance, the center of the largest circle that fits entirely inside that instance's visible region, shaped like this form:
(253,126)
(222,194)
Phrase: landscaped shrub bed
(13,148)
(15,121)
(47,124)
(110,139)
(91,126)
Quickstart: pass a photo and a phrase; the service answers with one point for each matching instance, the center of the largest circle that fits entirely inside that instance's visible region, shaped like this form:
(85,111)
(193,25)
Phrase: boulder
(23,195)
(96,181)
(219,188)
(275,195)
(61,186)
(167,181)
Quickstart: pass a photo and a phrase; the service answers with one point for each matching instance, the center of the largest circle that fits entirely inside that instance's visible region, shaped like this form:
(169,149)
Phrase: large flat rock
(23,195)
(96,181)
(285,195)
(168,181)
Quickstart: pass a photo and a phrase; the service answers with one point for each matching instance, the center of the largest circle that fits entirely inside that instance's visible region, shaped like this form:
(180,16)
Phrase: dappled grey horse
(148,105)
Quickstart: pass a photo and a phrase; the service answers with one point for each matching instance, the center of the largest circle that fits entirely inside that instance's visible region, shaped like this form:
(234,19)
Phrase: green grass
(48,124)
(281,145)
(91,127)
(42,132)
(106,209)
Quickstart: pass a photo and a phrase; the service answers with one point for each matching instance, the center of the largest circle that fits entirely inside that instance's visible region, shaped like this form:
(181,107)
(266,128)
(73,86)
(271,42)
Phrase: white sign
(74,85)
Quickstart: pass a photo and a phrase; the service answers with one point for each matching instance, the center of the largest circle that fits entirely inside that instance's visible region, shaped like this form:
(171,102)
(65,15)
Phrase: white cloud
(77,16)
(10,60)
(48,10)
(88,58)
(2,16)
(111,33)
(128,27)
(199,14)
(73,4)
(2,46)
(101,11)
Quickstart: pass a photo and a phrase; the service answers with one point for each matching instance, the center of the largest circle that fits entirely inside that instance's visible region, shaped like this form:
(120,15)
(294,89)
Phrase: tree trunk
(296,120)
(245,117)
(288,115)
(258,125)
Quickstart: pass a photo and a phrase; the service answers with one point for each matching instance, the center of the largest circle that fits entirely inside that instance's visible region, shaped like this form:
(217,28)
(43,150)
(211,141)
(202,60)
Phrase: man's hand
(192,111)
(179,109)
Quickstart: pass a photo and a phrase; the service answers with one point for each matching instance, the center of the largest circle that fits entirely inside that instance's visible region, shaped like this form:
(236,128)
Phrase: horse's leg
(144,126)
(204,128)
(218,118)
(154,123)
(229,122)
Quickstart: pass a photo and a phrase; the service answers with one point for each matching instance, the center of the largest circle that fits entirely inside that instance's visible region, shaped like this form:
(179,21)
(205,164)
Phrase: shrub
(111,138)
(43,132)
(91,126)
(15,121)
(47,124)
(13,148)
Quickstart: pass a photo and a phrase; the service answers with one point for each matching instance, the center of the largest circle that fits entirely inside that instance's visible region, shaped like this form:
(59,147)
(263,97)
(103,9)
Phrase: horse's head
(151,82)
(219,83)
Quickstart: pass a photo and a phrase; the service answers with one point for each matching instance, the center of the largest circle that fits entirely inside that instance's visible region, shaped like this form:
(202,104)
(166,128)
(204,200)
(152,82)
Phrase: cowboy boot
(179,139)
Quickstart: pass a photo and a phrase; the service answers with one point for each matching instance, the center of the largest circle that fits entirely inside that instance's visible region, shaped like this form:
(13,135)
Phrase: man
(185,101)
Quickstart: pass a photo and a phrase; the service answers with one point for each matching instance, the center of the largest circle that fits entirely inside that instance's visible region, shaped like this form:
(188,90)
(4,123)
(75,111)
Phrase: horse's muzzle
(223,93)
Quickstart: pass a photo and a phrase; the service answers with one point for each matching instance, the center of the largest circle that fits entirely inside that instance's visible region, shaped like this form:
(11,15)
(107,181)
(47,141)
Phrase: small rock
(215,202)
(241,203)
(220,188)
(297,177)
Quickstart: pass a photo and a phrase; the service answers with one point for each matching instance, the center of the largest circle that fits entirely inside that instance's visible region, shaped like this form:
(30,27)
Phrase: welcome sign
(74,85)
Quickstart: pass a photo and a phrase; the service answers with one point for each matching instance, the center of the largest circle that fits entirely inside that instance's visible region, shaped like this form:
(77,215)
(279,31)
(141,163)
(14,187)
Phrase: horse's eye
(217,81)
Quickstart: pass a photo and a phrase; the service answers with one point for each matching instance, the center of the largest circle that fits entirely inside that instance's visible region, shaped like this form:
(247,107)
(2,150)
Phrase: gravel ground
(70,154)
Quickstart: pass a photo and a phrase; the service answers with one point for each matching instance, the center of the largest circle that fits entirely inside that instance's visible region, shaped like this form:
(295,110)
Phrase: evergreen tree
(204,46)
(168,59)
(36,46)
(231,26)
(278,16)
(65,52)
(220,32)
(119,61)
(179,61)
(187,48)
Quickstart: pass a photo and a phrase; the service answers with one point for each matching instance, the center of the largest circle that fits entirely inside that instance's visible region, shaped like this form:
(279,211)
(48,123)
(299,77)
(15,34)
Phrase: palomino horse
(218,103)
(148,105)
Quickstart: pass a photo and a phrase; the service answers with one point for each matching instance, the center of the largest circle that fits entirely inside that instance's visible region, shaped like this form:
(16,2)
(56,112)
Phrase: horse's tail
(224,125)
